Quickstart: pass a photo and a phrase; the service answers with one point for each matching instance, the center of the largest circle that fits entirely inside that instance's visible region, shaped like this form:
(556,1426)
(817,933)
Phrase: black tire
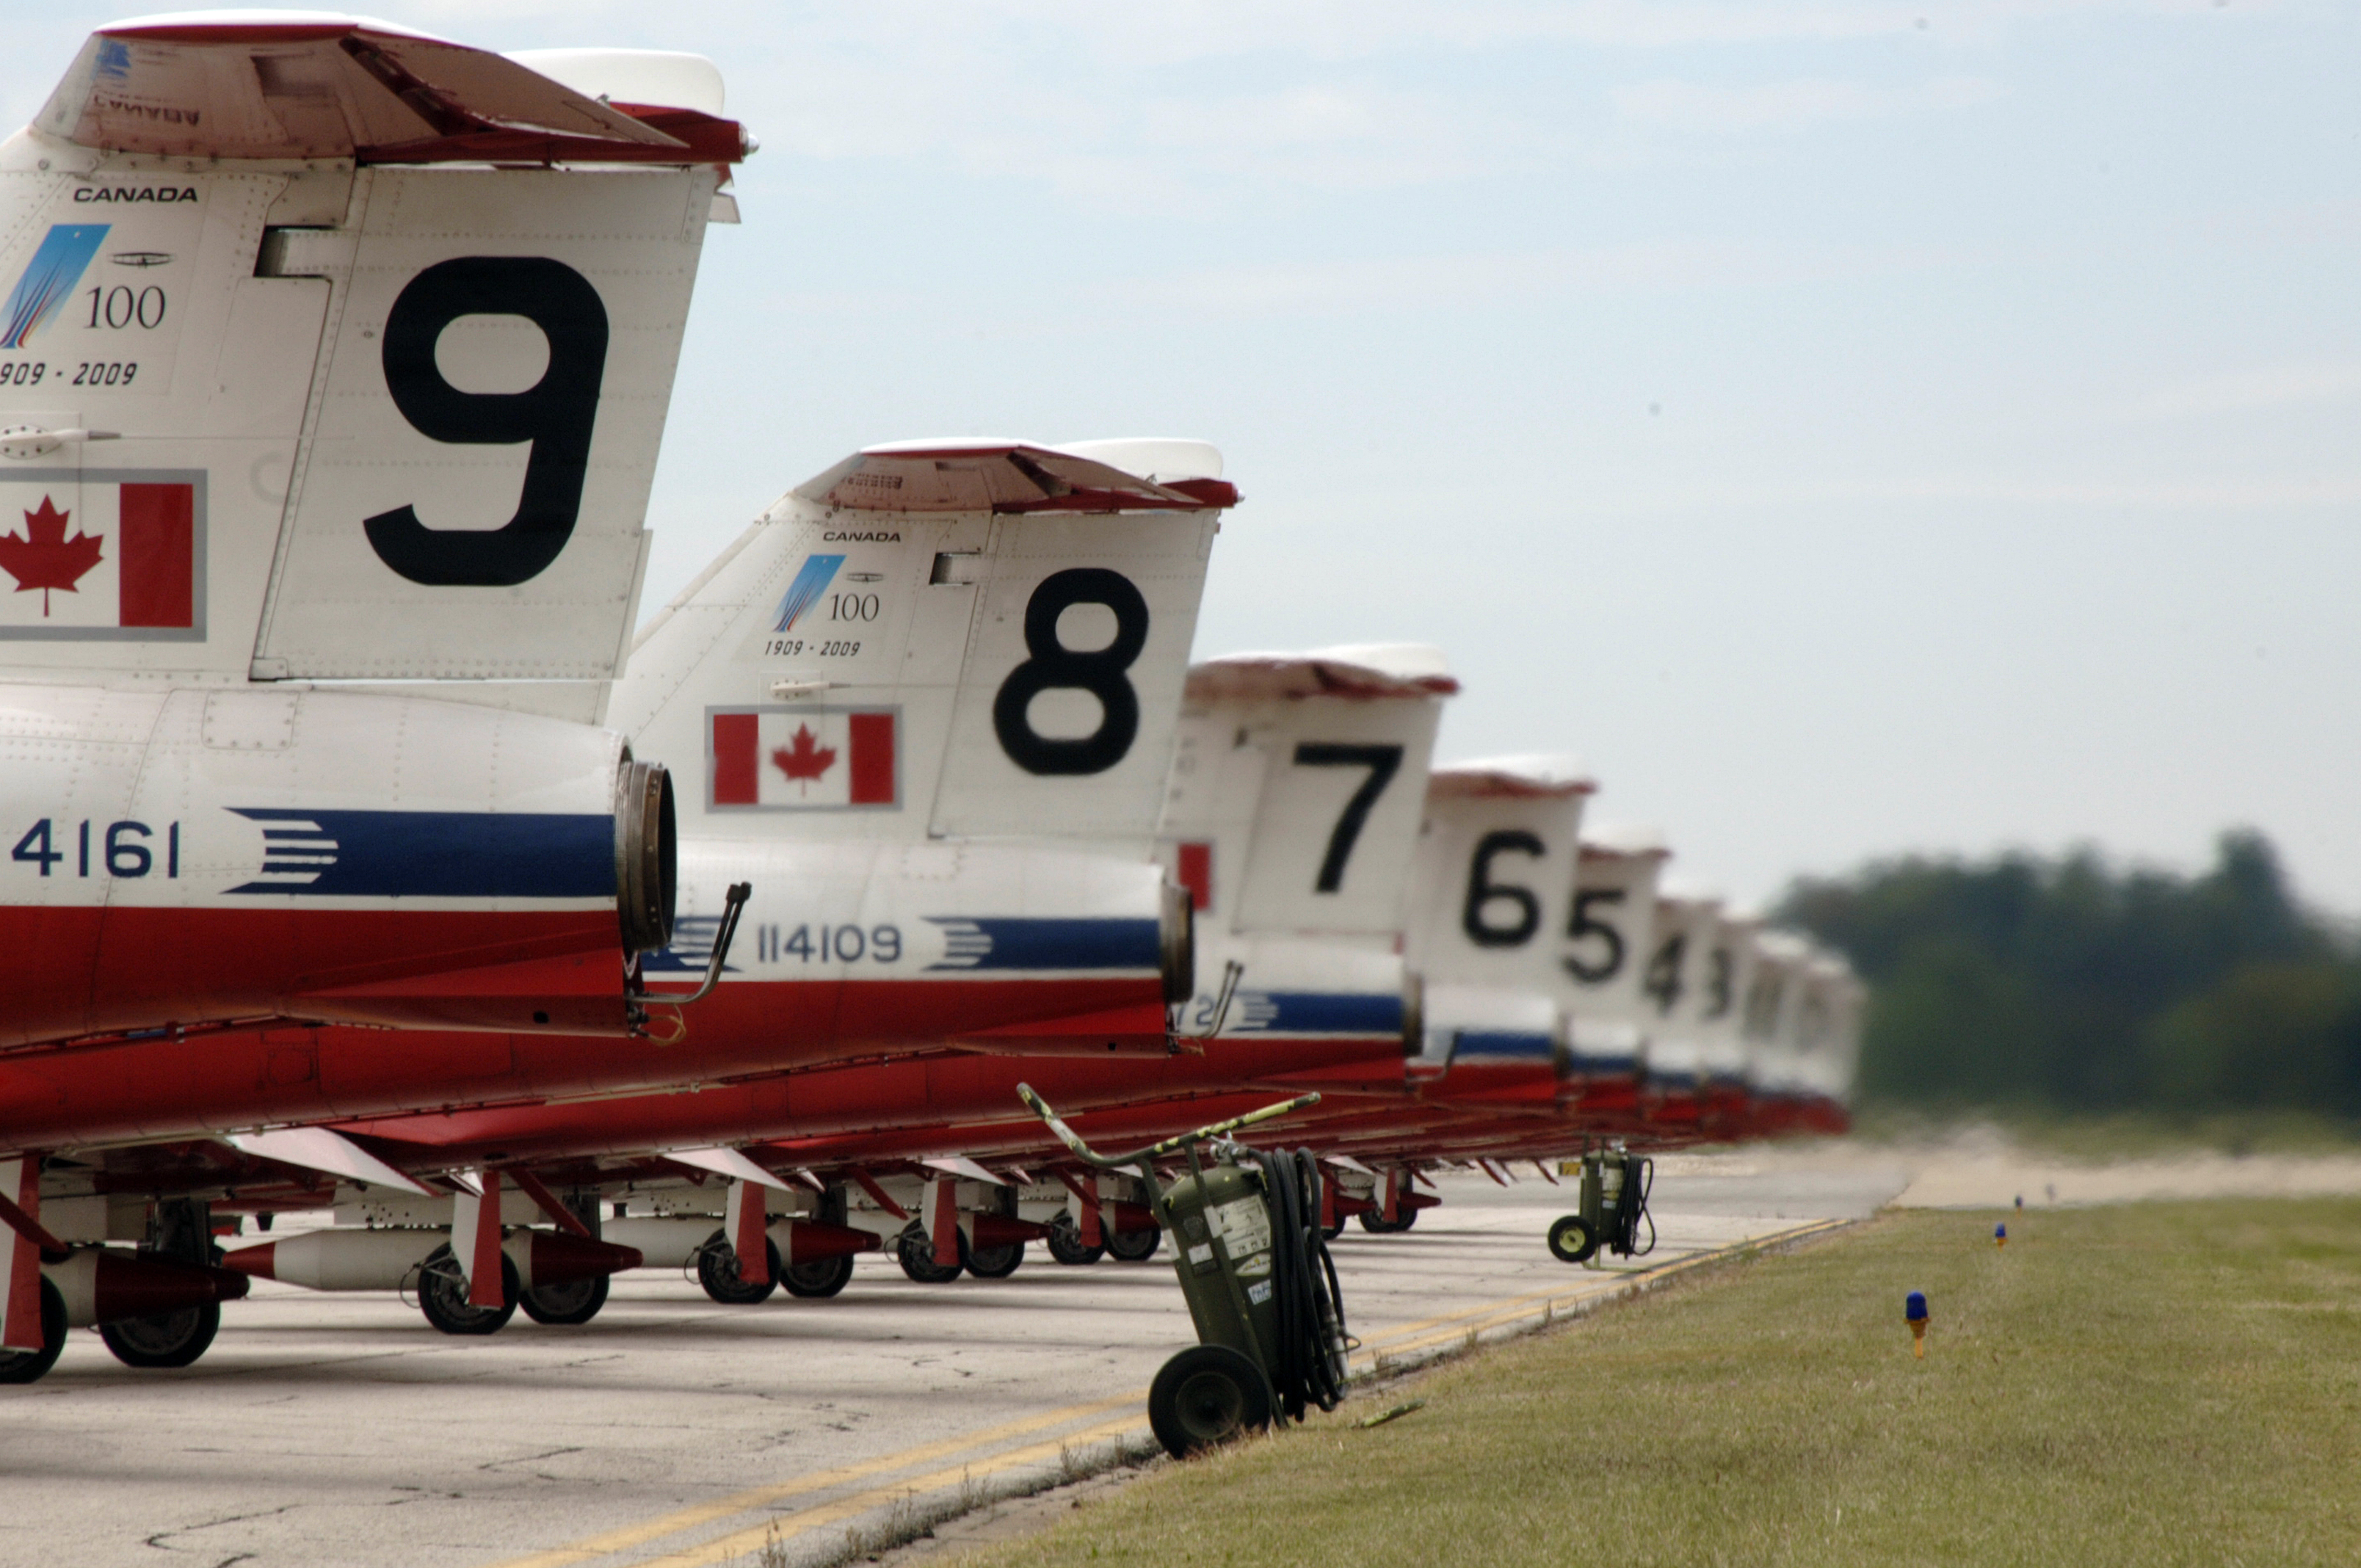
(1330,1232)
(1377,1224)
(1207,1394)
(914,1251)
(818,1281)
(994,1262)
(1135,1246)
(167,1339)
(32,1365)
(717,1271)
(1066,1244)
(576,1301)
(1570,1240)
(442,1296)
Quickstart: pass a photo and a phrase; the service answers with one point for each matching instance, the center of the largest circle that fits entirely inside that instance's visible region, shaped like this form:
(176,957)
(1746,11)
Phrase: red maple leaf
(804,757)
(45,558)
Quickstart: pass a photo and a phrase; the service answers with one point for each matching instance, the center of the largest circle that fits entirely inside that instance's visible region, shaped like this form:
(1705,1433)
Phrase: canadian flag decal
(803,759)
(80,558)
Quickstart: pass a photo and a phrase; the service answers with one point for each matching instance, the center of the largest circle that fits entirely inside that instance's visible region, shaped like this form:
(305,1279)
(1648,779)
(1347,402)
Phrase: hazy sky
(1854,428)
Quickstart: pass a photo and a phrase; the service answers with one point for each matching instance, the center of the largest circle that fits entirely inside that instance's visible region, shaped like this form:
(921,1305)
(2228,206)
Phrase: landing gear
(1066,1243)
(716,1270)
(1377,1224)
(1205,1396)
(914,1251)
(181,1232)
(817,1279)
(31,1366)
(168,1339)
(1571,1240)
(994,1262)
(576,1301)
(442,1296)
(1136,1246)
(1330,1232)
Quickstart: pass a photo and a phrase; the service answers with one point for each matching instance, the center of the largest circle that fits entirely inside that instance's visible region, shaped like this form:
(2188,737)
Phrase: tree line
(2071,984)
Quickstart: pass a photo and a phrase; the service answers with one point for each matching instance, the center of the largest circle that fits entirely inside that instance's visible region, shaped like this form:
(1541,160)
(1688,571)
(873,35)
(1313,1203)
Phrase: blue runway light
(1999,1235)
(1914,1310)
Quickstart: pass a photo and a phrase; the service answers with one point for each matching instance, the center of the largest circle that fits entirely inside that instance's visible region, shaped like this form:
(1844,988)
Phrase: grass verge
(2159,1383)
(2129,1135)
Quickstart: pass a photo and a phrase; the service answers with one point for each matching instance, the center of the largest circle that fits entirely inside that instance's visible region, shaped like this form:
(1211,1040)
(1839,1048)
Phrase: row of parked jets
(362,859)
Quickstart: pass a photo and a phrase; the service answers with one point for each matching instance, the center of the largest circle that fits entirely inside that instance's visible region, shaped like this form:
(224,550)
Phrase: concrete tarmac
(342,1430)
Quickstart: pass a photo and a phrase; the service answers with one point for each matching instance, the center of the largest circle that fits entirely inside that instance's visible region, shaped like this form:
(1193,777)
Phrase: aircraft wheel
(442,1296)
(167,1339)
(716,1270)
(1377,1224)
(1205,1396)
(576,1301)
(1136,1246)
(914,1251)
(996,1262)
(31,1366)
(1570,1240)
(1330,1232)
(819,1280)
(1066,1243)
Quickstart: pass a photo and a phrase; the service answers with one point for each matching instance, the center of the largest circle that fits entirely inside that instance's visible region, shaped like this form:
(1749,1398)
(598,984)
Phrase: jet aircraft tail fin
(331,349)
(1297,785)
(964,639)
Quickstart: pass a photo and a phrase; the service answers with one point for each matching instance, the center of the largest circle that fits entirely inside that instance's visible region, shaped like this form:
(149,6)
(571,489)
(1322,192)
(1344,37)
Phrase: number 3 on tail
(1053,666)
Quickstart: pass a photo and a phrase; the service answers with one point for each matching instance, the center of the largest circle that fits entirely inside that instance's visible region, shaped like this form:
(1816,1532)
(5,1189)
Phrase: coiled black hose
(1308,1363)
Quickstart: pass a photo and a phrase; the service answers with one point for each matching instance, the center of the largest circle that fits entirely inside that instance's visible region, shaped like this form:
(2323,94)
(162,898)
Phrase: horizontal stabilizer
(1361,670)
(314,85)
(1002,476)
(1538,776)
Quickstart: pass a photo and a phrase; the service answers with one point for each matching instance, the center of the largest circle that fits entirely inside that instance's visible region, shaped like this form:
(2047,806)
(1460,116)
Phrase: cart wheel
(1066,1243)
(576,1301)
(1570,1239)
(914,1251)
(31,1366)
(1207,1394)
(823,1278)
(1136,1246)
(167,1339)
(442,1296)
(717,1271)
(994,1262)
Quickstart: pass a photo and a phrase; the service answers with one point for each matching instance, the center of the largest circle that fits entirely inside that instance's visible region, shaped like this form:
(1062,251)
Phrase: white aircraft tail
(955,640)
(330,350)
(1297,787)
(1496,871)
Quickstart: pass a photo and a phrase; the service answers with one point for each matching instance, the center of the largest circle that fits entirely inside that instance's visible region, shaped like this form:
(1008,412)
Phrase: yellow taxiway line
(611,1541)
(748,1540)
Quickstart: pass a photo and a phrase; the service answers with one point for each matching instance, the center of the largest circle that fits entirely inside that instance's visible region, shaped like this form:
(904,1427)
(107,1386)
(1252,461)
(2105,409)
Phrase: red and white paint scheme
(1603,959)
(331,350)
(1495,886)
(1003,896)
